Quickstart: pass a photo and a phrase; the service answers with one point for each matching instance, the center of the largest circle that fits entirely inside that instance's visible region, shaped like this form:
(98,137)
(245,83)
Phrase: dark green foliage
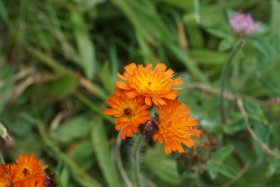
(58,65)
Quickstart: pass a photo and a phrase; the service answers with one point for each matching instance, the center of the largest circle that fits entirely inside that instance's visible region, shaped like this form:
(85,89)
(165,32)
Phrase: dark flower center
(127,111)
(25,171)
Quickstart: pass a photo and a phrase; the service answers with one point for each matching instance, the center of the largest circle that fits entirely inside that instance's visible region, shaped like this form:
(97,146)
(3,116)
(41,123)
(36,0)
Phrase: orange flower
(27,172)
(176,126)
(129,113)
(5,178)
(156,86)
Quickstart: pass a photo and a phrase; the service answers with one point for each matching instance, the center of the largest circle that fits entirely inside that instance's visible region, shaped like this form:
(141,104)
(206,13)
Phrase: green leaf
(103,153)
(179,3)
(275,17)
(59,86)
(235,126)
(226,44)
(197,39)
(81,154)
(85,45)
(263,133)
(256,112)
(209,57)
(161,166)
(213,170)
(72,129)
(227,171)
(46,59)
(218,33)
(6,84)
(58,181)
(86,183)
(107,78)
(64,176)
(215,165)
(224,169)
(176,50)
(220,155)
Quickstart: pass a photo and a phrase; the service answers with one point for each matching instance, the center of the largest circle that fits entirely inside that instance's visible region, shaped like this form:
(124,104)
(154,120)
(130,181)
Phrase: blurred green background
(58,65)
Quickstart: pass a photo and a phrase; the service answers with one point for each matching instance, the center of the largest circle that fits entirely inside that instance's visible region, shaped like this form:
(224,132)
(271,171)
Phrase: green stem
(139,140)
(225,74)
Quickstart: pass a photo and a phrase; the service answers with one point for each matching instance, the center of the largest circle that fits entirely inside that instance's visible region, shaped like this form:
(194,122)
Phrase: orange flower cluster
(26,172)
(139,89)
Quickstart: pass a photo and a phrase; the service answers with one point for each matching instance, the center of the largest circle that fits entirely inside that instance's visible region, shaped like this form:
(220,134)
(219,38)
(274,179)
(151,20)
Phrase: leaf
(85,45)
(226,44)
(46,59)
(104,156)
(275,17)
(166,170)
(197,40)
(145,49)
(220,155)
(218,33)
(234,127)
(247,155)
(81,154)
(256,112)
(64,176)
(163,167)
(107,78)
(215,165)
(217,18)
(88,5)
(227,171)
(59,86)
(209,57)
(6,84)
(224,169)
(86,183)
(177,51)
(114,61)
(72,129)
(179,3)
(263,133)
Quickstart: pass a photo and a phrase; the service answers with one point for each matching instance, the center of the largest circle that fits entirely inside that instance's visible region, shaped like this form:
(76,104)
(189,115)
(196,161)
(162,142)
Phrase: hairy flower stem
(119,161)
(139,140)
(225,75)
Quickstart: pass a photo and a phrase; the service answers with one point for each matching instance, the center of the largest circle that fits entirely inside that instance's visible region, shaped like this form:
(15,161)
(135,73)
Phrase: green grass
(58,65)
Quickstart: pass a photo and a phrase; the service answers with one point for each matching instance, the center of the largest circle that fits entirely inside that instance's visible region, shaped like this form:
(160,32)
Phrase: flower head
(27,172)
(129,113)
(155,85)
(5,177)
(176,126)
(243,23)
